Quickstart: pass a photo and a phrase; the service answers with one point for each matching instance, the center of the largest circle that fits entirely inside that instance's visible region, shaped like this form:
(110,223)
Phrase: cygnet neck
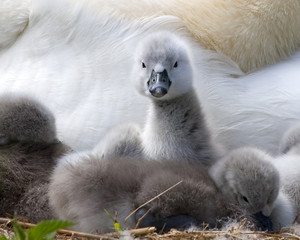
(176,130)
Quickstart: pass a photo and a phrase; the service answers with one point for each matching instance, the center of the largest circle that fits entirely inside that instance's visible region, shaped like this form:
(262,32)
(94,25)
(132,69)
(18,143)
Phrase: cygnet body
(82,186)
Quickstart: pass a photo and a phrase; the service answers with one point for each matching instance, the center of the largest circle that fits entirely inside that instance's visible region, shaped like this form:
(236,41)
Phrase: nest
(239,232)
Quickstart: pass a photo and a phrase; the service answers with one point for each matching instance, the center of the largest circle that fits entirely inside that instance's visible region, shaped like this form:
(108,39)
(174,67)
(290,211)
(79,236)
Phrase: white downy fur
(288,164)
(290,142)
(77,60)
(283,212)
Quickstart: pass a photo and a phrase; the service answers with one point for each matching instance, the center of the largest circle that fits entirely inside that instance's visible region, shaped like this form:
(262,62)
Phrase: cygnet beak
(267,210)
(159,83)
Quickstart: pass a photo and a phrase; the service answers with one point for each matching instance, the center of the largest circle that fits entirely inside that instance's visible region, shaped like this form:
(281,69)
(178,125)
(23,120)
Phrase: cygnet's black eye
(245,199)
(143,65)
(175,65)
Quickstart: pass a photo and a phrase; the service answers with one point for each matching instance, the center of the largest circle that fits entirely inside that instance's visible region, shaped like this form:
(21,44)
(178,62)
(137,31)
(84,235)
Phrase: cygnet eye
(245,199)
(143,65)
(175,65)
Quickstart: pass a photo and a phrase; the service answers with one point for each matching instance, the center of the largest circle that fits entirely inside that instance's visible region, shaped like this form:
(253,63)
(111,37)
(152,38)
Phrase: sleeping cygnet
(83,185)
(249,175)
(195,202)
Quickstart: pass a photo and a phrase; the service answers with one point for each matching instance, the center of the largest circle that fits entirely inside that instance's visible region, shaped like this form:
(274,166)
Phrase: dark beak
(159,83)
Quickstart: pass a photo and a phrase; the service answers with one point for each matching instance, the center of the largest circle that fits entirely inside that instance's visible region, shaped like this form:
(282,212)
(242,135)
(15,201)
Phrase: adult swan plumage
(77,61)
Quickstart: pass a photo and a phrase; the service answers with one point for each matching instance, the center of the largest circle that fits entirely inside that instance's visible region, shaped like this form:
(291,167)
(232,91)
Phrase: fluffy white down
(283,212)
(77,61)
(289,165)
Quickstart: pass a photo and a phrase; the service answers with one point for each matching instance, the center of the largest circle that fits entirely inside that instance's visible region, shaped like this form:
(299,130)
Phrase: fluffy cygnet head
(249,176)
(23,119)
(162,67)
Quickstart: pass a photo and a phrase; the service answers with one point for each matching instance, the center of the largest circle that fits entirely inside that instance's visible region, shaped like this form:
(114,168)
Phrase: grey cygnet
(24,119)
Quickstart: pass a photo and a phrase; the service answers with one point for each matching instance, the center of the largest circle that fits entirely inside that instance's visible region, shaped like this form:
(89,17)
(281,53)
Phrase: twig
(142,231)
(152,200)
(292,235)
(22,224)
(296,219)
(141,218)
(162,229)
